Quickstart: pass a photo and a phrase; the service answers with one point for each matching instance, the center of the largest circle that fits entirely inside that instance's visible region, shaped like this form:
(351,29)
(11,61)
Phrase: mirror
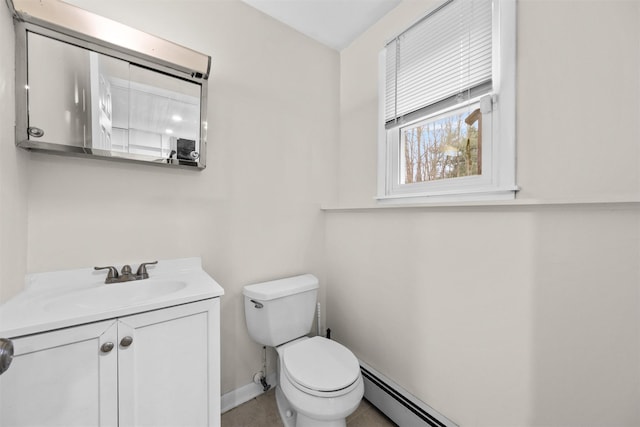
(85,99)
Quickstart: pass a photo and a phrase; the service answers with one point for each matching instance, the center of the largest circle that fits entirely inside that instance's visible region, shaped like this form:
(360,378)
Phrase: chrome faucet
(126,275)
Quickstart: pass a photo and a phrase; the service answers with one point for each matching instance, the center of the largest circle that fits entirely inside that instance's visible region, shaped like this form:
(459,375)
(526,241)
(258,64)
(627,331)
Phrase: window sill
(458,195)
(622,202)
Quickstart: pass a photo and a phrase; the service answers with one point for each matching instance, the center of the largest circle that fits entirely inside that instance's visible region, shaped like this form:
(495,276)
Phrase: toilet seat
(321,367)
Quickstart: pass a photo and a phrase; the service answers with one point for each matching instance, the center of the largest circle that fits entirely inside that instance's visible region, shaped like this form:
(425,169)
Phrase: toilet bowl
(320,383)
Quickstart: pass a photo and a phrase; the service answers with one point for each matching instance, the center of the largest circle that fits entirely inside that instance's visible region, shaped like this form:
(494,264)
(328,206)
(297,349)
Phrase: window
(447,106)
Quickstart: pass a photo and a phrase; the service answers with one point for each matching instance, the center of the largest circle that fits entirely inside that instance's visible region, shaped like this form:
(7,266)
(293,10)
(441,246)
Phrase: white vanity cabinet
(155,368)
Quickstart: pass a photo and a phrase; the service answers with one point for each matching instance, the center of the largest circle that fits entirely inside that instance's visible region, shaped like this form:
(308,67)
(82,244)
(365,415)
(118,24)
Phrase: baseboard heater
(397,404)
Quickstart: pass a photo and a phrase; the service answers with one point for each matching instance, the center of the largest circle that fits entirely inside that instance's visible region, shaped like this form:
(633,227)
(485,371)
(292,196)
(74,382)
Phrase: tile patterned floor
(263,412)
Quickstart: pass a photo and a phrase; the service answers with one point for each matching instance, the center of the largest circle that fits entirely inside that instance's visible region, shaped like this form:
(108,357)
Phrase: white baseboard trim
(398,404)
(243,394)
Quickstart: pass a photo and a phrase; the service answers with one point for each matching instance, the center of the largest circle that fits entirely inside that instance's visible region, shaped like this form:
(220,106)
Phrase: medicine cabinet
(89,86)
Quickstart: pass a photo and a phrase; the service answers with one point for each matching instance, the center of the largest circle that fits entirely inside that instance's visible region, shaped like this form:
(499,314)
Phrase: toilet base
(288,415)
(291,418)
(303,421)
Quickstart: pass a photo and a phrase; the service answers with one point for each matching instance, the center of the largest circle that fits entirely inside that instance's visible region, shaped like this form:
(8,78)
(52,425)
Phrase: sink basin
(59,299)
(116,294)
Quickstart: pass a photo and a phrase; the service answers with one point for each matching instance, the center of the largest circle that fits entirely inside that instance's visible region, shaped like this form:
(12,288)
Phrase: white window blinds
(442,60)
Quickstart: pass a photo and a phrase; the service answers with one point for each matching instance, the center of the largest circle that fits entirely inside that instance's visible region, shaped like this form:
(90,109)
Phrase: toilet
(319,380)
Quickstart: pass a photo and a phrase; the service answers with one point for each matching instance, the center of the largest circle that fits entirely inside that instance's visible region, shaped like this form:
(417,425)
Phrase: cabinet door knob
(126,341)
(106,347)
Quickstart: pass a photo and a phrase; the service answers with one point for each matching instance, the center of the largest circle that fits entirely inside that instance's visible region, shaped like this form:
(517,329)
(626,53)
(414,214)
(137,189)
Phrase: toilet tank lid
(273,289)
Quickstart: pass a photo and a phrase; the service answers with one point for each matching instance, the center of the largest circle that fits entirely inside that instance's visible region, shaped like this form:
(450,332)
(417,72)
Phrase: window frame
(498,179)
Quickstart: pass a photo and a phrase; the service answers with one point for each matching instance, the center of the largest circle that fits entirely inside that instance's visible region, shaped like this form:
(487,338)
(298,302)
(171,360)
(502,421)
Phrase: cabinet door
(59,91)
(169,373)
(62,378)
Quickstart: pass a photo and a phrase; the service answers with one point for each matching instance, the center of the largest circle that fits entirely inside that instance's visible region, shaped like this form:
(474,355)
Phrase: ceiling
(334,23)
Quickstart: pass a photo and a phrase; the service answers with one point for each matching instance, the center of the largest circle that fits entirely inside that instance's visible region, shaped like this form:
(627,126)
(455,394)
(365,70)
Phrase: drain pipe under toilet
(318,329)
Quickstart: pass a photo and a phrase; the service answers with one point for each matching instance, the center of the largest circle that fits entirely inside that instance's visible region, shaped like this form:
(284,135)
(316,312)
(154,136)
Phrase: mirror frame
(69,24)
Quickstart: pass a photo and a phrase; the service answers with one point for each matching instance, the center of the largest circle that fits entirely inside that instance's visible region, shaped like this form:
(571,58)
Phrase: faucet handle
(111,276)
(142,270)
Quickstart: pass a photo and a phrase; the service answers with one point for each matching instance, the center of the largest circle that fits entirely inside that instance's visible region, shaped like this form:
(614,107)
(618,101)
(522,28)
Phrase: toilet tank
(280,310)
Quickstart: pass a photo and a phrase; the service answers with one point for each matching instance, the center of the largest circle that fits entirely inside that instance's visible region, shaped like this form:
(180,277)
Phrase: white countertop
(72,297)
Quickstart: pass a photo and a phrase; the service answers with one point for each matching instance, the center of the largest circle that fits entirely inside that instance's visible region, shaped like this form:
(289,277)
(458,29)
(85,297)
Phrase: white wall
(507,316)
(253,214)
(13,173)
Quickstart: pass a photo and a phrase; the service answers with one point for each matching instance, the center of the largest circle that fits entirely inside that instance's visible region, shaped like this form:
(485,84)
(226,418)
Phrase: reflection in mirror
(108,101)
(164,112)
